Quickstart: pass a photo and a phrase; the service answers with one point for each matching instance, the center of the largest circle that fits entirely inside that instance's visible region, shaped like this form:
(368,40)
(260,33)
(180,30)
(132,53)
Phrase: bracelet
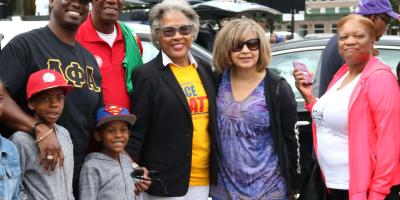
(44,136)
(37,124)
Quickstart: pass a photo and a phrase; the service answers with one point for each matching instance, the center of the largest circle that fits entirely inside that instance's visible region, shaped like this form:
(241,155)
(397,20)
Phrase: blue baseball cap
(113,113)
(370,7)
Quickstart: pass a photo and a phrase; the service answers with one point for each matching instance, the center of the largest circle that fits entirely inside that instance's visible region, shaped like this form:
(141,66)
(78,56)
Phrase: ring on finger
(49,157)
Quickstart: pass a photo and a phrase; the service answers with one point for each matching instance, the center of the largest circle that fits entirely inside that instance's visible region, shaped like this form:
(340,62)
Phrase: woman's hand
(49,148)
(304,88)
(143,185)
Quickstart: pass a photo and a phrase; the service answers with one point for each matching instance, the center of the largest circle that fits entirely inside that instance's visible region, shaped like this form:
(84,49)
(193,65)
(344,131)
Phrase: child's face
(114,136)
(1,98)
(48,105)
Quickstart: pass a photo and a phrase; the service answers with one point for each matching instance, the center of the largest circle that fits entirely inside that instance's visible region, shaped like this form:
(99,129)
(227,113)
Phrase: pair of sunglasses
(252,44)
(170,31)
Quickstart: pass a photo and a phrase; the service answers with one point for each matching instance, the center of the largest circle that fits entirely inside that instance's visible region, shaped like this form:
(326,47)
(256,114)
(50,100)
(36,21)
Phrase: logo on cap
(113,109)
(49,77)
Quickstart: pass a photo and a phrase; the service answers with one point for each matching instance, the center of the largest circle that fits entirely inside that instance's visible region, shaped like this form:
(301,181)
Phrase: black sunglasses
(252,44)
(170,31)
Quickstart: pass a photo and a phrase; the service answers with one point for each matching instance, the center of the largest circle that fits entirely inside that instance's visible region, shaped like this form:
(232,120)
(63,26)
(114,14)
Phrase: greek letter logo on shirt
(75,74)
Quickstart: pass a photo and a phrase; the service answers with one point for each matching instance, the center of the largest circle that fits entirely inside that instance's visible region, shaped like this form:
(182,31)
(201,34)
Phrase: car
(286,34)
(309,51)
(143,31)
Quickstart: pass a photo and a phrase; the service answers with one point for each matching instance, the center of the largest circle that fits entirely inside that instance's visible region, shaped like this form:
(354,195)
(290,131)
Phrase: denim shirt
(10,170)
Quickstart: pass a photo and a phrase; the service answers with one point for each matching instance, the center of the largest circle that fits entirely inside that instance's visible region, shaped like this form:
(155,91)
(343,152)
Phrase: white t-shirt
(330,114)
(109,38)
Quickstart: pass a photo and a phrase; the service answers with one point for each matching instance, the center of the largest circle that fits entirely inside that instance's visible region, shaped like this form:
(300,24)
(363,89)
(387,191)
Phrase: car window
(389,57)
(149,51)
(282,64)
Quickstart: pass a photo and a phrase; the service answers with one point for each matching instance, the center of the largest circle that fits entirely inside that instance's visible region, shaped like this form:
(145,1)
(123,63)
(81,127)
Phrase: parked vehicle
(286,34)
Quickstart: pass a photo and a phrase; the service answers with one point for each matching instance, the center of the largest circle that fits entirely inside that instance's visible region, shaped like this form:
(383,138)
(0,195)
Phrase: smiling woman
(359,113)
(255,132)
(175,105)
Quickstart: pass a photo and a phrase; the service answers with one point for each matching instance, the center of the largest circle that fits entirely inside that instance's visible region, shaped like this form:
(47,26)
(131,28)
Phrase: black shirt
(40,49)
(331,62)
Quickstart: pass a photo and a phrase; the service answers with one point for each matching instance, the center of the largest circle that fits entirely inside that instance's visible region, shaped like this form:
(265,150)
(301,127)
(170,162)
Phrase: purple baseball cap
(113,113)
(370,7)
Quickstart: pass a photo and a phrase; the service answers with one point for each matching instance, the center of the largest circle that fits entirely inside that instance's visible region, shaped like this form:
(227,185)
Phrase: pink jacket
(374,132)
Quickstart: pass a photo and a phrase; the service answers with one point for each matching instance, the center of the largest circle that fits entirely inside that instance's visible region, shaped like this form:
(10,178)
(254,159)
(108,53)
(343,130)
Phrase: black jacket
(282,107)
(162,136)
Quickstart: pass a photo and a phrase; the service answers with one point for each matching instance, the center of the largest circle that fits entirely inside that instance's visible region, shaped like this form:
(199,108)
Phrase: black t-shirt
(330,63)
(39,49)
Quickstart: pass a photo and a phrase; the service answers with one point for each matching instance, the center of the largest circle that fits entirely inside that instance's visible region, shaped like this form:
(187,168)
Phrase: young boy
(46,90)
(107,174)
(10,169)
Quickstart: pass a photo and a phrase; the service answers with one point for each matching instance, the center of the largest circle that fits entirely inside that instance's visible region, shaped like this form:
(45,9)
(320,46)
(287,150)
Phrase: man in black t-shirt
(53,47)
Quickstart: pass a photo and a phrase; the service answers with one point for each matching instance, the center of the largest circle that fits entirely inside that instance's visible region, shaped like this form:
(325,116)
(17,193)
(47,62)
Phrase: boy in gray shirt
(46,91)
(106,175)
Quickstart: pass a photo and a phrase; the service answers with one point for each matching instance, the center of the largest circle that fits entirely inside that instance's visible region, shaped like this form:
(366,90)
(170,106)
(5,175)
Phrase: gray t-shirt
(103,178)
(36,183)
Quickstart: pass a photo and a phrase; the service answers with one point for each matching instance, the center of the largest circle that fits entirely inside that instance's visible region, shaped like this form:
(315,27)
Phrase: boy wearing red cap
(46,90)
(106,174)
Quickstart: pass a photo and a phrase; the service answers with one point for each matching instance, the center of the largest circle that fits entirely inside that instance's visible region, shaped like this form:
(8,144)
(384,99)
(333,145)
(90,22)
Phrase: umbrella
(136,1)
(226,9)
(191,2)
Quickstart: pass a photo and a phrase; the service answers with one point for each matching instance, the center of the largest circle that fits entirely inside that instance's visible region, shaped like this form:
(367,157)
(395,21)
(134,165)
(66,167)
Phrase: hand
(49,148)
(143,185)
(301,85)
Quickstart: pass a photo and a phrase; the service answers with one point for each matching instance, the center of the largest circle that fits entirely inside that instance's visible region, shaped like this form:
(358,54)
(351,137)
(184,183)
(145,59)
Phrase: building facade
(320,16)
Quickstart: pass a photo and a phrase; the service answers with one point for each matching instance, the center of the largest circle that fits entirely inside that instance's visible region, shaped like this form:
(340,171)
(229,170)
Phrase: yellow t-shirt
(197,98)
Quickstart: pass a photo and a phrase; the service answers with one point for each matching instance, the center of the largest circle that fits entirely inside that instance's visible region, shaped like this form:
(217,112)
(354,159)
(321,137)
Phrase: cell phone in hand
(302,67)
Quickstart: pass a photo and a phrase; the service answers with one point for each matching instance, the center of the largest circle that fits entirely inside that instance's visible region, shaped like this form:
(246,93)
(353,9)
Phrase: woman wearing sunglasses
(174,99)
(256,117)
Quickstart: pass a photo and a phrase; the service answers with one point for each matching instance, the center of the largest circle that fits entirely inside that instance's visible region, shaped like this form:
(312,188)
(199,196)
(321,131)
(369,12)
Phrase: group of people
(94,122)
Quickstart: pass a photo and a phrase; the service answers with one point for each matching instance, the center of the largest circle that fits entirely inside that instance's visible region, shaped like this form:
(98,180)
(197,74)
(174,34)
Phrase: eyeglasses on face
(170,31)
(252,44)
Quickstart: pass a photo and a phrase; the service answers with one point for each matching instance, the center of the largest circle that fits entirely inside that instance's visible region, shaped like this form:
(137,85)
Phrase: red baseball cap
(46,79)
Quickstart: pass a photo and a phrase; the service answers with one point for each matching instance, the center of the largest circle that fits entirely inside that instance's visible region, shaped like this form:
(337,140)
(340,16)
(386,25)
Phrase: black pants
(344,194)
(339,194)
(394,193)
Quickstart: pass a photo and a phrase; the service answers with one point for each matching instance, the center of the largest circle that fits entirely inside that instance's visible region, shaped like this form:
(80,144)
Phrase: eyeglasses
(170,31)
(252,44)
